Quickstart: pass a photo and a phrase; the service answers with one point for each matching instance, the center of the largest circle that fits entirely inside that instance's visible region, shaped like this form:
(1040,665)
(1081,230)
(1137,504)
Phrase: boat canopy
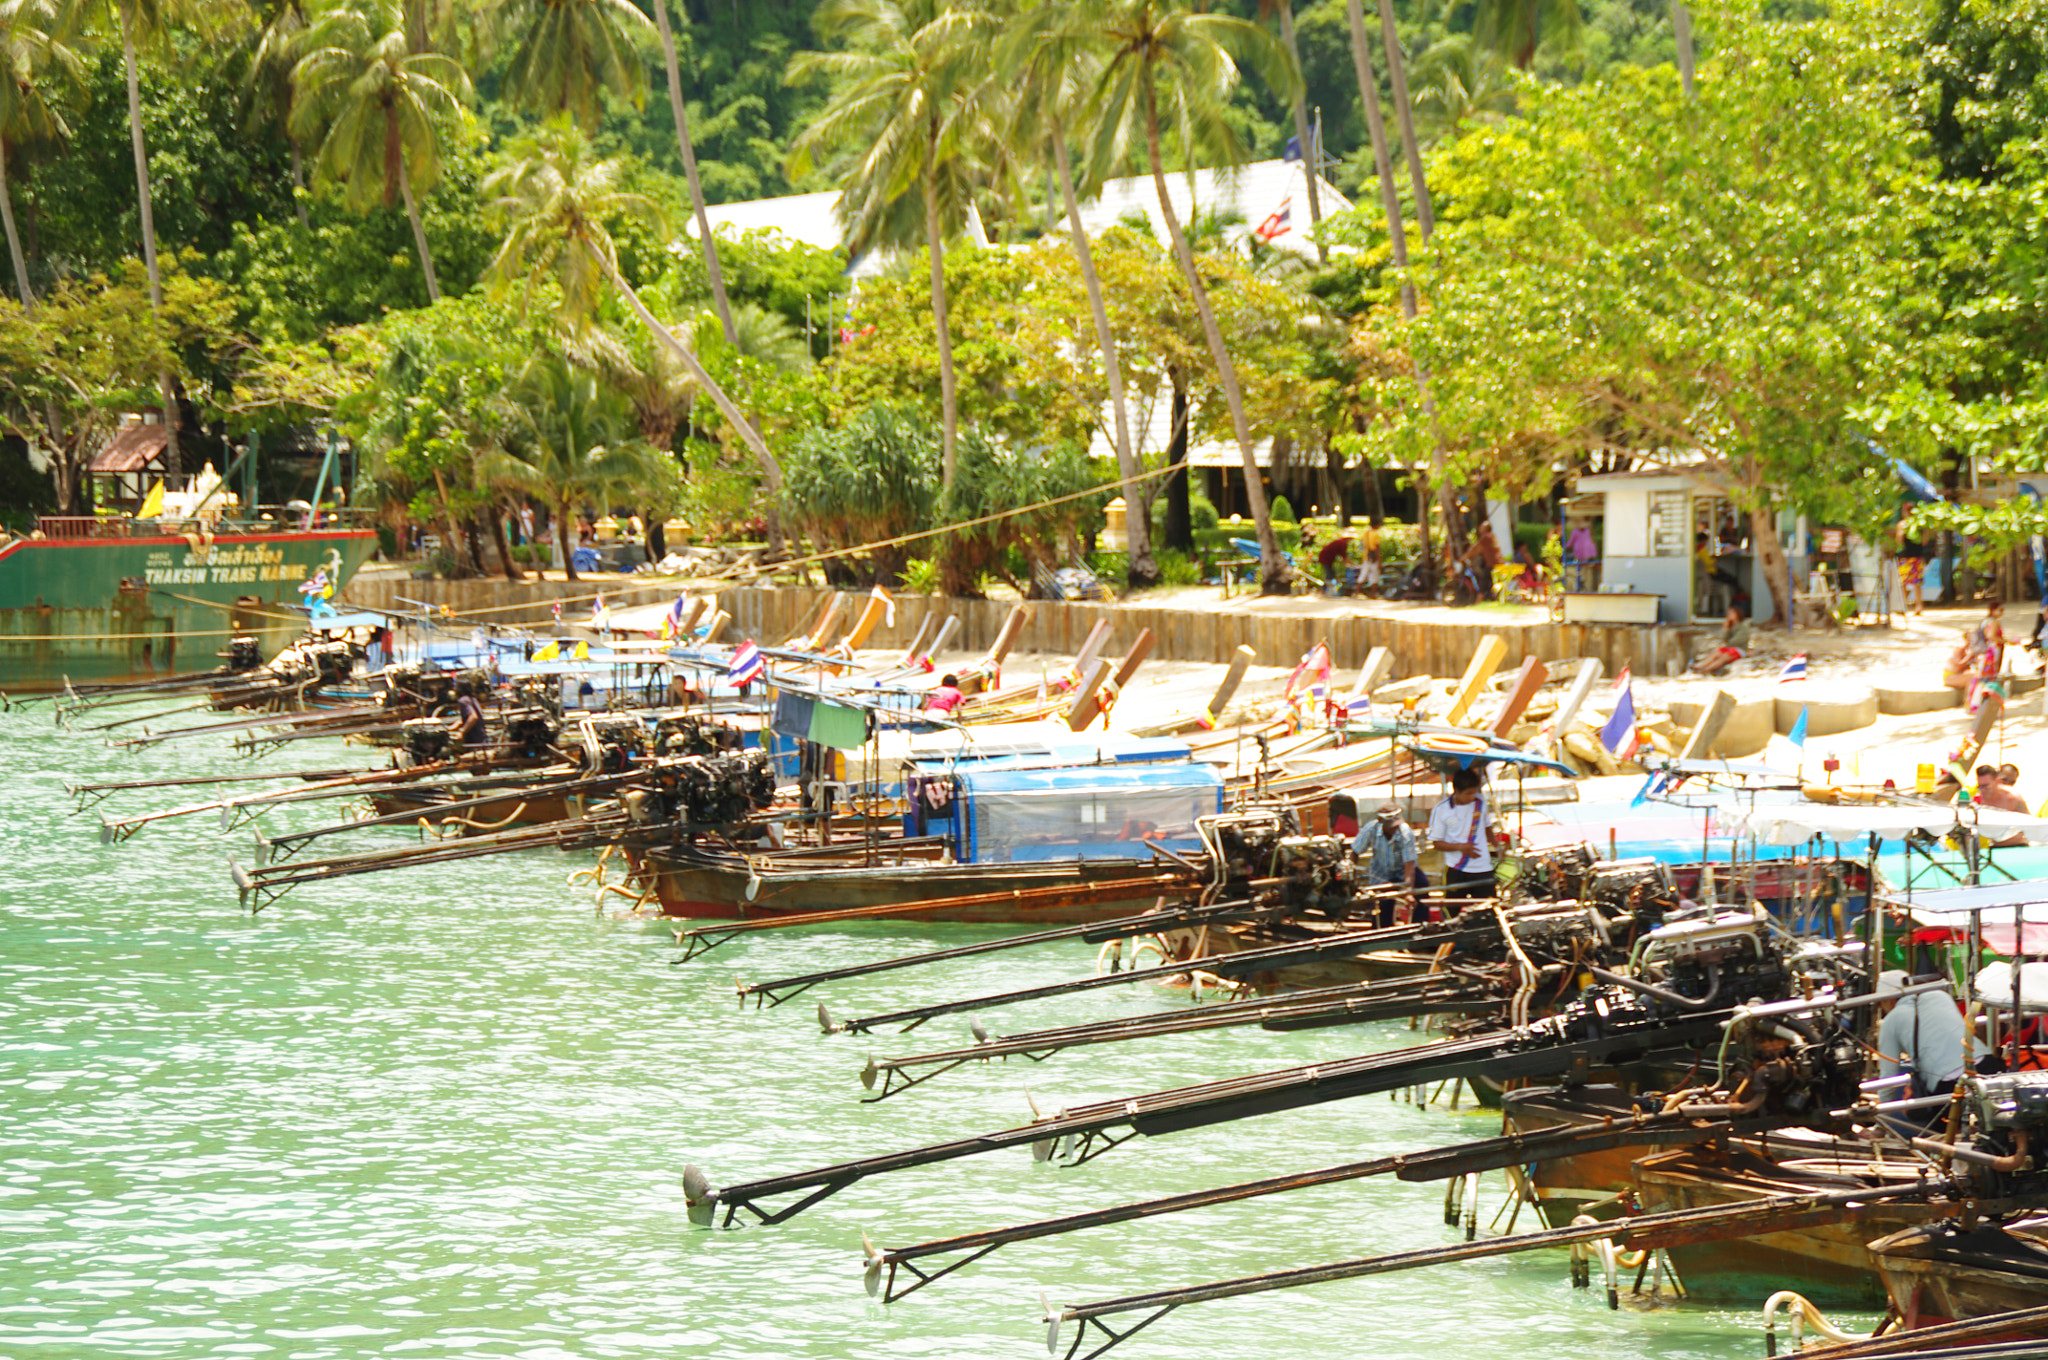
(1040,752)
(1796,823)
(1119,811)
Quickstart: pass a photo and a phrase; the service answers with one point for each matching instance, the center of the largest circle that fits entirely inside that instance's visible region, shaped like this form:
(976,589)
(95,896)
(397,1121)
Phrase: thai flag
(672,622)
(600,614)
(1314,667)
(1278,223)
(1619,735)
(1795,669)
(747,664)
(557,607)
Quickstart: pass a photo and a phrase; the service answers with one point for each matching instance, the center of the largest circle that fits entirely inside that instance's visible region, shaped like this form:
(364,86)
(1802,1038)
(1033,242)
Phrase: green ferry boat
(92,598)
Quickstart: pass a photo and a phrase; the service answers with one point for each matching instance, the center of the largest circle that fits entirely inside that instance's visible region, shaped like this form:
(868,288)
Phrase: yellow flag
(549,652)
(583,651)
(153,503)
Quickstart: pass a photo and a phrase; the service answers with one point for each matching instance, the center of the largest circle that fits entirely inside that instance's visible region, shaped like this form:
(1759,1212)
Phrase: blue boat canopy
(1119,811)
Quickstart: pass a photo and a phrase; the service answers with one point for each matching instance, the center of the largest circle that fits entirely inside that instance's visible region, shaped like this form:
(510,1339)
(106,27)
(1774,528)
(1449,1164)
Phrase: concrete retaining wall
(1440,645)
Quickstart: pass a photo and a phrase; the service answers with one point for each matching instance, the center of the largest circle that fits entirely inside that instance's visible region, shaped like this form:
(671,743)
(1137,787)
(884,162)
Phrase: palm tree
(1047,75)
(33,54)
(571,441)
(1166,67)
(909,100)
(1311,153)
(1517,28)
(379,111)
(554,199)
(140,20)
(1462,83)
(569,53)
(265,59)
(705,242)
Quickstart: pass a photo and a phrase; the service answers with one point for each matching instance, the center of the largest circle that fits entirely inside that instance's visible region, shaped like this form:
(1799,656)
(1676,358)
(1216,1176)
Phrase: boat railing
(269,519)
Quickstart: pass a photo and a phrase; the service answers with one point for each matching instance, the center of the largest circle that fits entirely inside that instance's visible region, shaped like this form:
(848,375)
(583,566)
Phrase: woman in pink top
(946,697)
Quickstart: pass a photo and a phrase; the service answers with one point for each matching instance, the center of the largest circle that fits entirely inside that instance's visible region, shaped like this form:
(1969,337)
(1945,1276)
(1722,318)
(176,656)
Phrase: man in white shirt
(1923,1034)
(1458,827)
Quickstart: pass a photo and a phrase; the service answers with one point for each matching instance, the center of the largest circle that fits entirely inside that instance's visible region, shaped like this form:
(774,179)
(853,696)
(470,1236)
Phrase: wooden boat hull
(1830,1263)
(1935,1275)
(726,888)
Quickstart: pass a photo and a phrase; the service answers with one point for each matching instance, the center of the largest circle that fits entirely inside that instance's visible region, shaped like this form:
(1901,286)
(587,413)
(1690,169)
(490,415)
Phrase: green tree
(1741,296)
(1167,68)
(568,54)
(94,347)
(380,111)
(569,440)
(554,199)
(34,59)
(909,99)
(1049,77)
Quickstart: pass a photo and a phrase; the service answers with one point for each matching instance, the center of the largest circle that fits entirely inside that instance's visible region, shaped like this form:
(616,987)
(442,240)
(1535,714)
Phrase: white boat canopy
(1797,823)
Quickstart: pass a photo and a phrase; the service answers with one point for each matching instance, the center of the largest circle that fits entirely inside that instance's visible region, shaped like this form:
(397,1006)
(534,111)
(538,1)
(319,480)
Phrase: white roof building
(1255,194)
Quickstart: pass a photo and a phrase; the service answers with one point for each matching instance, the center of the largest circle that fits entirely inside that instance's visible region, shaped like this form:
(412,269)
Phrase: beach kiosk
(1672,550)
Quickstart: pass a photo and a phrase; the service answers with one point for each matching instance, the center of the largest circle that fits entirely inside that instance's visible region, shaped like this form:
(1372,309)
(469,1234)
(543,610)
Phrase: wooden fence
(1422,642)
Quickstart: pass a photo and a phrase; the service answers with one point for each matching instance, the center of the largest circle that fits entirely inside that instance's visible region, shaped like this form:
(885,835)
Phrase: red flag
(1277,224)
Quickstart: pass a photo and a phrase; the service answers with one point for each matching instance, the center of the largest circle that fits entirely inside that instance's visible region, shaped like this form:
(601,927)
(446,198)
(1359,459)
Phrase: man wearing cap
(1922,1034)
(1386,847)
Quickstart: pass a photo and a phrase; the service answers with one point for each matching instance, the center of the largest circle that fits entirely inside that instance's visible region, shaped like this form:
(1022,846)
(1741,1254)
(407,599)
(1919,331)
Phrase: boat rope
(830,553)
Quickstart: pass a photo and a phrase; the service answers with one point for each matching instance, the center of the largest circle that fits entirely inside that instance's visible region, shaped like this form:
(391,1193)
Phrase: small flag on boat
(582,651)
(1619,735)
(1795,669)
(1278,223)
(672,622)
(600,614)
(747,664)
(1797,736)
(549,652)
(1314,668)
(153,503)
(557,608)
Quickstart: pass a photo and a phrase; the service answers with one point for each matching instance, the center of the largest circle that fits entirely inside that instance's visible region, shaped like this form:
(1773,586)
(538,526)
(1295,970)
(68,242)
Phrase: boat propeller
(699,1199)
(871,1265)
(1052,1324)
(867,1079)
(825,1020)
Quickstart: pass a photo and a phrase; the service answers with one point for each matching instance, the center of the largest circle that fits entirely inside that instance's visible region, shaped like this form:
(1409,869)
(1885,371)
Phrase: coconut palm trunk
(1404,114)
(148,220)
(28,298)
(1310,152)
(771,469)
(1143,571)
(704,240)
(1273,570)
(935,241)
(419,232)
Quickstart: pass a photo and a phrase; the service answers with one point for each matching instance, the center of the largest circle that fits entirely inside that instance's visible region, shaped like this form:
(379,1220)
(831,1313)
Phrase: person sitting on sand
(1734,644)
(1957,672)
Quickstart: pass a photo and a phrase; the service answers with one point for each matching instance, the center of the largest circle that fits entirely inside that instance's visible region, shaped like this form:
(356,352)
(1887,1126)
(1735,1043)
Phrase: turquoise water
(445,1113)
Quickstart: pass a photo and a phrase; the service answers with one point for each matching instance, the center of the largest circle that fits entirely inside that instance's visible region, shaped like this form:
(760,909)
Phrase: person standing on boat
(1922,1034)
(469,718)
(1385,848)
(1458,827)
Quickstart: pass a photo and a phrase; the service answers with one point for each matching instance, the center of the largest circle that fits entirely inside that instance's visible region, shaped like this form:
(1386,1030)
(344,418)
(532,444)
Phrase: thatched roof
(130,450)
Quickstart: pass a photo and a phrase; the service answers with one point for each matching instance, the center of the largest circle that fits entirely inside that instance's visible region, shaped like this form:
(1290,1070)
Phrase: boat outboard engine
(2008,1117)
(610,745)
(334,662)
(720,791)
(427,739)
(244,653)
(530,734)
(1723,960)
